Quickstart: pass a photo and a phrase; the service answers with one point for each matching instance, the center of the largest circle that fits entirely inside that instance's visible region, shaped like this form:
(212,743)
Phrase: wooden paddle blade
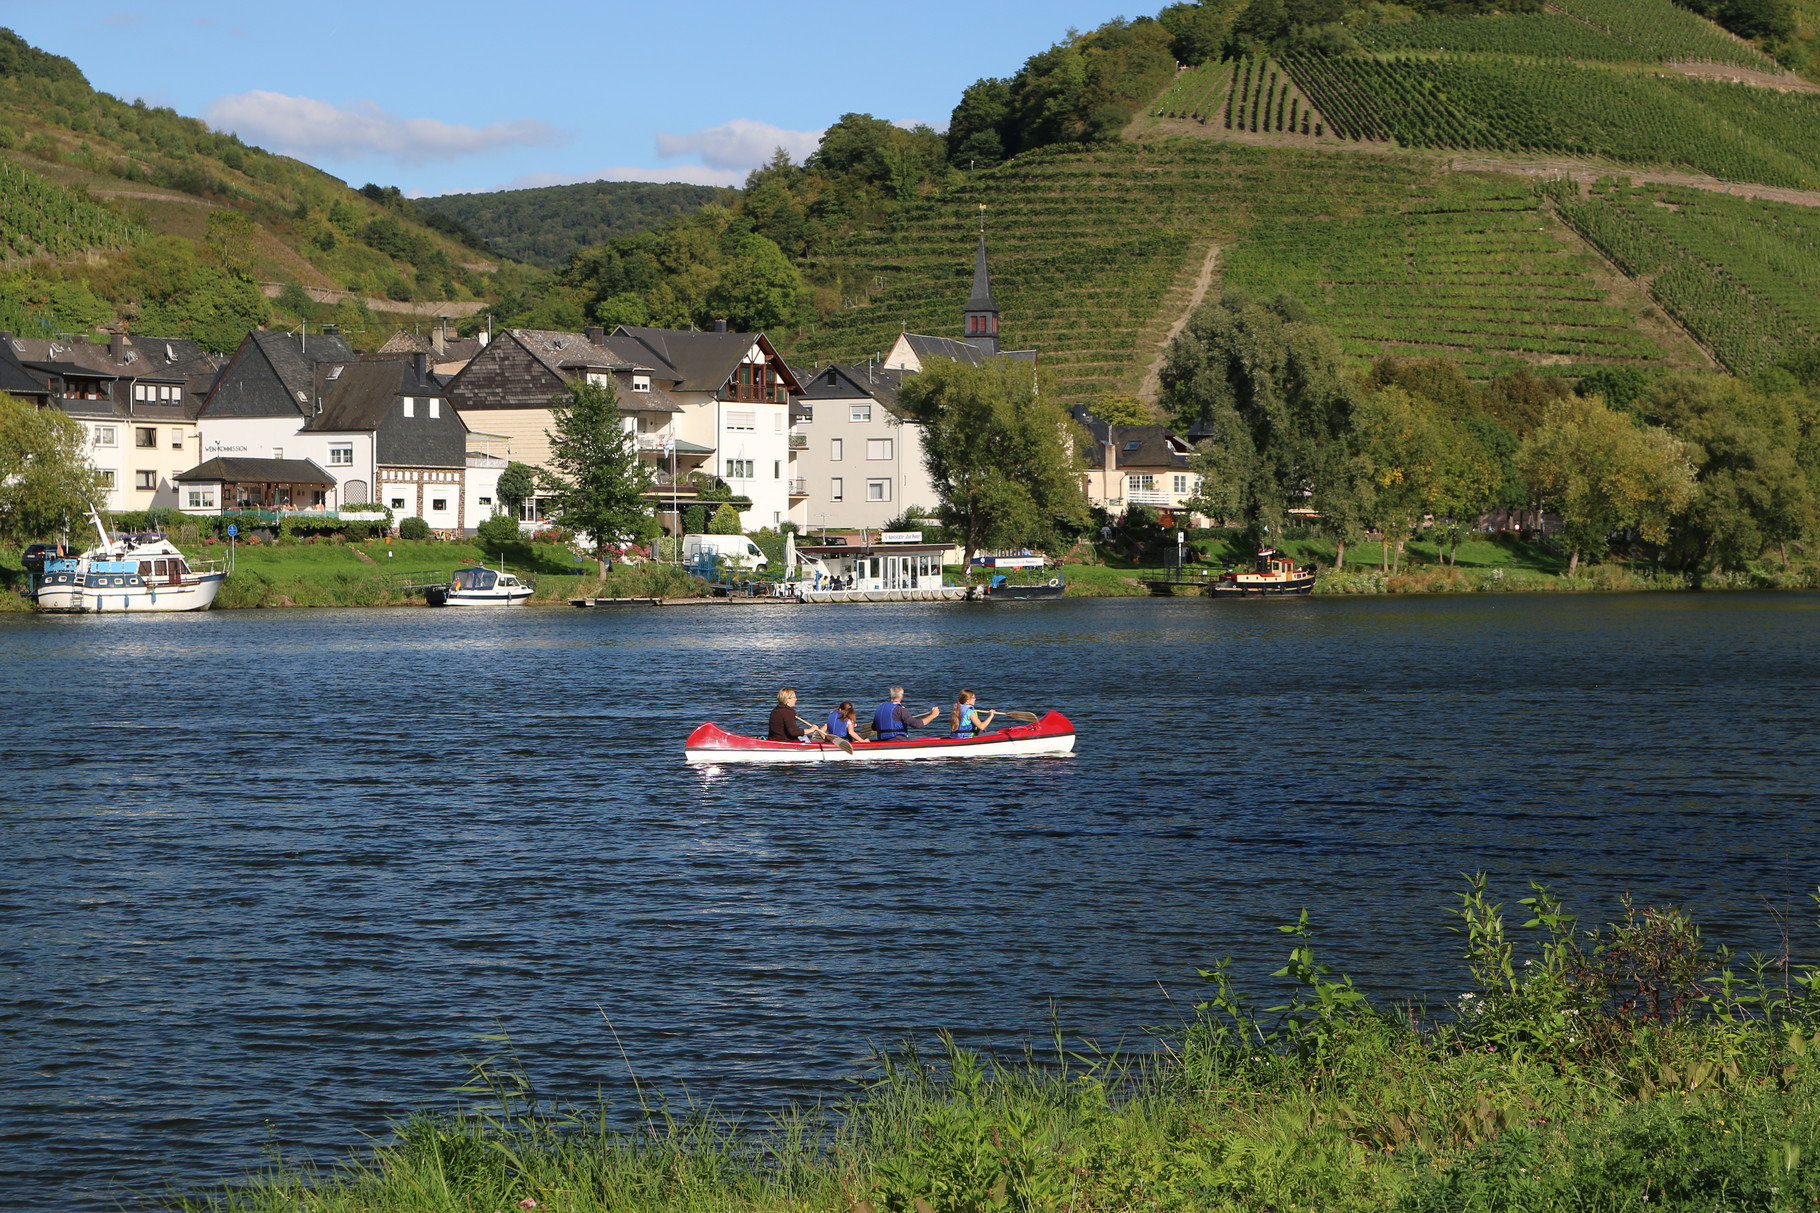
(1026,717)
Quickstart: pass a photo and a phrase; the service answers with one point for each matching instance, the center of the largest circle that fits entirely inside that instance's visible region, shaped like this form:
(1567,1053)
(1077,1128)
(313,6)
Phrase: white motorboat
(143,572)
(480,586)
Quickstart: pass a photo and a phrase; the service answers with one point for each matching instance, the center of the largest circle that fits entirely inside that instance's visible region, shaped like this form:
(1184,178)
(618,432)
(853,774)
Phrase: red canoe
(1051,734)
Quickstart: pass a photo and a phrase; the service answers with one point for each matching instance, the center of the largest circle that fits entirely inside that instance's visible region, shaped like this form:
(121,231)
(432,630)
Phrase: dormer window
(641,383)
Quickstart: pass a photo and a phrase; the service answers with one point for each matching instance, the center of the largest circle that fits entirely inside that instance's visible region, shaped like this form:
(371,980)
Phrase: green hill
(113,204)
(547,226)
(1332,176)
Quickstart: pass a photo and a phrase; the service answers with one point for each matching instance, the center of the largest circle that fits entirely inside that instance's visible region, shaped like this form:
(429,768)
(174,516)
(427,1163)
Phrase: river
(270,875)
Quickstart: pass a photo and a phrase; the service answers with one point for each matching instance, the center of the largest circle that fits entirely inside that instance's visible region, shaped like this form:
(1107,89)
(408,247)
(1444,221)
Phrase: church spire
(981,315)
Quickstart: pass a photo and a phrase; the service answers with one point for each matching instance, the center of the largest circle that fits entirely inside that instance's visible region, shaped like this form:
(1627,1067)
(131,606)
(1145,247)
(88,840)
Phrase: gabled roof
(231,470)
(1133,446)
(361,394)
(866,381)
(569,352)
(702,362)
(295,356)
(16,379)
(926,347)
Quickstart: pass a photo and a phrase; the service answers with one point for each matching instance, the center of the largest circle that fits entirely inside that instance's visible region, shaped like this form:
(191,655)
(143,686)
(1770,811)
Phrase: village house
(860,459)
(297,423)
(135,397)
(447,354)
(1139,465)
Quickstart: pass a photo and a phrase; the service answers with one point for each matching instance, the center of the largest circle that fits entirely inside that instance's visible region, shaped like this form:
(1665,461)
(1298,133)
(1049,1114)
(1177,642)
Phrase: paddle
(1026,717)
(842,742)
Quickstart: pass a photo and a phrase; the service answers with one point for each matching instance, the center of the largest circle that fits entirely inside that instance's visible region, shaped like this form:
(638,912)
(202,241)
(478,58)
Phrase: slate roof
(703,362)
(569,352)
(360,396)
(1133,446)
(232,470)
(458,349)
(295,356)
(926,347)
(981,299)
(16,379)
(866,380)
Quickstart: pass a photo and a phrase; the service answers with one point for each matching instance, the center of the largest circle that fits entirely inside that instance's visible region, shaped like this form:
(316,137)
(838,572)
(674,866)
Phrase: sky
(458,97)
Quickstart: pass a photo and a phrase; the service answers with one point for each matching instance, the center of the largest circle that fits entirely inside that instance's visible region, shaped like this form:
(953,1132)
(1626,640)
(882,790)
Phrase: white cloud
(304,126)
(737,146)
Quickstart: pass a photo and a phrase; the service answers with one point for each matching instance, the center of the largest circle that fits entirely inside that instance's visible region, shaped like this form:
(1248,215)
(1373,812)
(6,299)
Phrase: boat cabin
(873,567)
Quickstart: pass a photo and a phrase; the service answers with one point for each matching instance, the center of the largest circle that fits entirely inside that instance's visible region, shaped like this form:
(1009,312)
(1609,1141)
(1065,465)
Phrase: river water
(269,876)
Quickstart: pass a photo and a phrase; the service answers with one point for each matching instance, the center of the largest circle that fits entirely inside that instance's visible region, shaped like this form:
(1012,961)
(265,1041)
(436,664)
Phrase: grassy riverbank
(1627,1067)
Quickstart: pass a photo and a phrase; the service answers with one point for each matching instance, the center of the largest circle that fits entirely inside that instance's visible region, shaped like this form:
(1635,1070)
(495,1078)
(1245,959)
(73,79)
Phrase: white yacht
(480,586)
(143,572)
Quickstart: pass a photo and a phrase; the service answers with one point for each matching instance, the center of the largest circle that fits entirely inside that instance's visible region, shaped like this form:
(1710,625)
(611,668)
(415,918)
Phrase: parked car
(36,554)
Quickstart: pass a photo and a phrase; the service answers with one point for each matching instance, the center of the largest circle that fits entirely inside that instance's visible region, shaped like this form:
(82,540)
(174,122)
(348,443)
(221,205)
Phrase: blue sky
(438,98)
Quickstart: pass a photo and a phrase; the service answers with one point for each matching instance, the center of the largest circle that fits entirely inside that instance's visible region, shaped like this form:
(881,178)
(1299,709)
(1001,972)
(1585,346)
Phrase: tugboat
(1273,574)
(143,572)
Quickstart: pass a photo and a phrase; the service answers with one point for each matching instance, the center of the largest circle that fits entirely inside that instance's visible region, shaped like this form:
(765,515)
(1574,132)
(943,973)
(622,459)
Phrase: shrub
(413,528)
(497,531)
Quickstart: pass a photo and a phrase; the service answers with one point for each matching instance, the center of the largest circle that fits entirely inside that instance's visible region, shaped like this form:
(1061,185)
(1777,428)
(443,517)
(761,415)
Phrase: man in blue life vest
(893,721)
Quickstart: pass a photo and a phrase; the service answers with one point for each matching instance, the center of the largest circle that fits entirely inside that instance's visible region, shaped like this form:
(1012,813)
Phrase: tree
(725,521)
(1602,473)
(595,482)
(759,289)
(230,240)
(1751,488)
(1267,387)
(46,481)
(516,484)
(1000,454)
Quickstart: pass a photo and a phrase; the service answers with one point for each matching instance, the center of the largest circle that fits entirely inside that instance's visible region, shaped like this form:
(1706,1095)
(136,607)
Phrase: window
(739,469)
(410,406)
(483,501)
(777,422)
(834,489)
(176,440)
(860,412)
(341,454)
(435,408)
(834,450)
(641,383)
(278,452)
(878,448)
(397,503)
(439,503)
(202,499)
(145,480)
(107,479)
(105,436)
(1141,484)
(1181,484)
(145,436)
(742,421)
(878,490)
(777,469)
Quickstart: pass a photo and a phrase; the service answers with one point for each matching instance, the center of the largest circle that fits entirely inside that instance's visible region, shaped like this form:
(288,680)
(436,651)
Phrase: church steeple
(981,316)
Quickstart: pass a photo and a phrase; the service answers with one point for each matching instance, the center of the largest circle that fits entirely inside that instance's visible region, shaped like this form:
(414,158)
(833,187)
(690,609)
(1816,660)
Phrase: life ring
(1054,581)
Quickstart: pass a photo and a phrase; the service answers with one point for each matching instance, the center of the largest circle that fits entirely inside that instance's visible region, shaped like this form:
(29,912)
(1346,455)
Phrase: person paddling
(968,720)
(843,721)
(892,721)
(784,725)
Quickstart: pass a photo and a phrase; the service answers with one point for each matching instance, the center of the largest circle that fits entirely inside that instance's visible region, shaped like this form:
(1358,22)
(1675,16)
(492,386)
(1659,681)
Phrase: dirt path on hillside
(322,294)
(1153,378)
(1744,75)
(1580,170)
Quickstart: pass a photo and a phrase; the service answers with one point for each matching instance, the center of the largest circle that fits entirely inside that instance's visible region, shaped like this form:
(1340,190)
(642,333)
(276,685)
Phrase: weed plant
(1628,1066)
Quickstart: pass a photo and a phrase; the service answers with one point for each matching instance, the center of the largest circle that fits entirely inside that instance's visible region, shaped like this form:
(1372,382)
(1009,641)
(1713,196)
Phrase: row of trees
(1703,471)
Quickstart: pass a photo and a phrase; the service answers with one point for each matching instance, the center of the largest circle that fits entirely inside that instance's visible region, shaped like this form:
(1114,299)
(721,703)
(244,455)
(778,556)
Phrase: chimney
(596,334)
(420,362)
(116,344)
(439,336)
(720,326)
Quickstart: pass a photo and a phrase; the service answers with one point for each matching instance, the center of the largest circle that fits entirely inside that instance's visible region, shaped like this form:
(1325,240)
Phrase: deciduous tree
(595,481)
(46,481)
(1000,454)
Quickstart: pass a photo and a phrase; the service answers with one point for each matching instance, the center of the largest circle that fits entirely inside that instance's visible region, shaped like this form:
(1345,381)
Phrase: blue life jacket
(886,723)
(968,726)
(836,726)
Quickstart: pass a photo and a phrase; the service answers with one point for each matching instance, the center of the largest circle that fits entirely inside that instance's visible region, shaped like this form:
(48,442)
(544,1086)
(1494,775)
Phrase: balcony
(799,442)
(652,442)
(1150,497)
(799,488)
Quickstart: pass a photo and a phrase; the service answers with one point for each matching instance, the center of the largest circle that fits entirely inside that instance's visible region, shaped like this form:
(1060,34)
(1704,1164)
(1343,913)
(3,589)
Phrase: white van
(731,548)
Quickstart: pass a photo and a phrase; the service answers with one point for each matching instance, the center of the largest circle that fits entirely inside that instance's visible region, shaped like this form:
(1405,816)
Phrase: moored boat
(1052,733)
(480,586)
(1273,574)
(142,572)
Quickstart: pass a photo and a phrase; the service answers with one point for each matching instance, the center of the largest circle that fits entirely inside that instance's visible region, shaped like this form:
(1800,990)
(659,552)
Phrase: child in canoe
(967,720)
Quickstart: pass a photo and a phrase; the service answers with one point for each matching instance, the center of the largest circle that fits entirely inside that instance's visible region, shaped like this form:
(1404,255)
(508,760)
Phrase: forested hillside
(111,212)
(548,226)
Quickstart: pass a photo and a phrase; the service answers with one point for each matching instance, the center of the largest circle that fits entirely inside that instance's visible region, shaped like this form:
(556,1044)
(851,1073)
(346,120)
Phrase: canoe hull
(1051,735)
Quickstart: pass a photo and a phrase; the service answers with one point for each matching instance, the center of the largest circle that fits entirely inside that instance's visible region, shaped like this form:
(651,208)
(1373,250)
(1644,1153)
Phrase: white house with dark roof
(1139,465)
(859,456)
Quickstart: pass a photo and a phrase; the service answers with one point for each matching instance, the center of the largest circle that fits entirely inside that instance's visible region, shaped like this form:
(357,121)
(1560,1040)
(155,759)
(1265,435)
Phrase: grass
(1630,1065)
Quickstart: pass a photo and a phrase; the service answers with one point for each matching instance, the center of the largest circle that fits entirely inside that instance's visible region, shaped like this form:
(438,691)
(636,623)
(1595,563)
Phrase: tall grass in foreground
(1627,1066)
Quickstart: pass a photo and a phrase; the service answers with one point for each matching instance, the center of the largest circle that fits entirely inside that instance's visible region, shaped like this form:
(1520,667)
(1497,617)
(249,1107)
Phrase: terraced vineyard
(1469,268)
(1548,35)
(1742,274)
(1197,92)
(1730,131)
(1388,250)
(1263,98)
(39,218)
(1666,33)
